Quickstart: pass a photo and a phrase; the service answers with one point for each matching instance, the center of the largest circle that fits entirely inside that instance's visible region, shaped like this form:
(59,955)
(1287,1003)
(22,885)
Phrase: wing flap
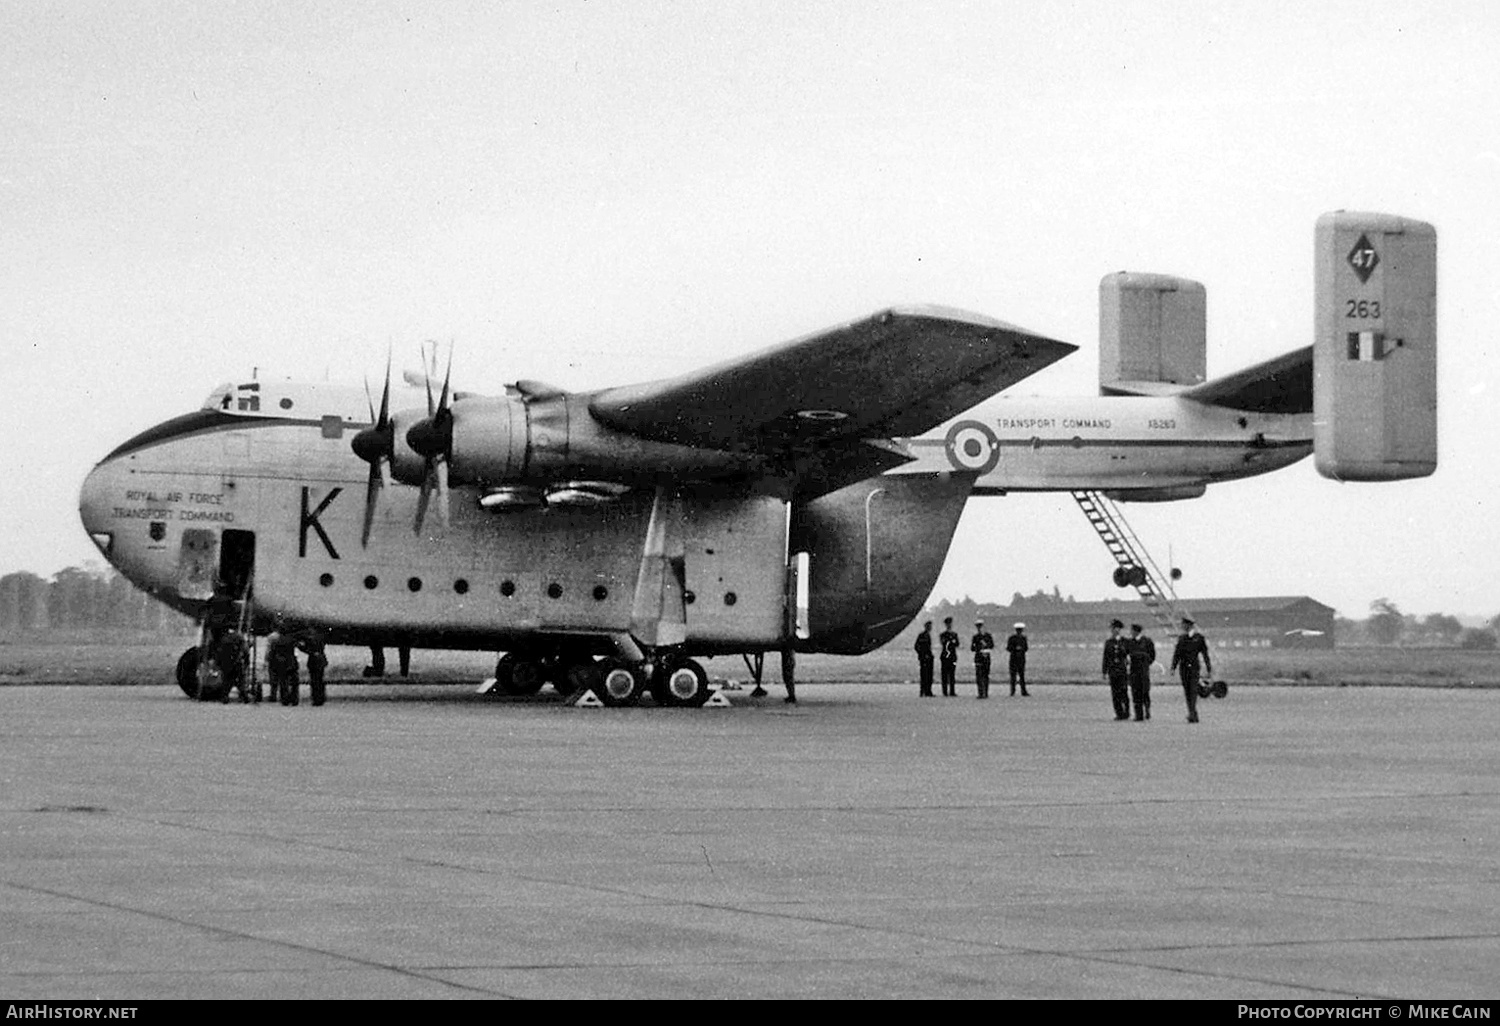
(897,373)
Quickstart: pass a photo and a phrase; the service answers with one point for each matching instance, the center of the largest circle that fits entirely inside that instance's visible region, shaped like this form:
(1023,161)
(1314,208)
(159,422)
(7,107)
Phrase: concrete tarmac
(422,842)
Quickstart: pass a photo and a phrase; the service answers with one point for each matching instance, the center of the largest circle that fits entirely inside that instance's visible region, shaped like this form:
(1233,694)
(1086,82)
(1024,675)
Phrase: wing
(898,373)
(1280,385)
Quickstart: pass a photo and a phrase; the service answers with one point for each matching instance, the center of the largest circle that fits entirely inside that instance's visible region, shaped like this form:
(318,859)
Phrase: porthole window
(600,593)
(689,598)
(286,404)
(461,586)
(414,584)
(554,590)
(507,588)
(326,580)
(730,598)
(372,582)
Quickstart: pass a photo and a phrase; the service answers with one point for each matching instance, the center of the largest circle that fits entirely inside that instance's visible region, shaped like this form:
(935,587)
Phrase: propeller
(432,439)
(375,445)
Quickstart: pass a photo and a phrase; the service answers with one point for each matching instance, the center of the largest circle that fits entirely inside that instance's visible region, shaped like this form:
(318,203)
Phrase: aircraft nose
(95,501)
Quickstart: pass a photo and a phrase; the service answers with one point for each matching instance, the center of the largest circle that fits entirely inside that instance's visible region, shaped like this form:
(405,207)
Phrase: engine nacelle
(557,439)
(407,466)
(1375,349)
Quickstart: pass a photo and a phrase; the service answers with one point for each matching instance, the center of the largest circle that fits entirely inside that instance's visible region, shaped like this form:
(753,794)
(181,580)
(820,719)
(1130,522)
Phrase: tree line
(86,596)
(98,596)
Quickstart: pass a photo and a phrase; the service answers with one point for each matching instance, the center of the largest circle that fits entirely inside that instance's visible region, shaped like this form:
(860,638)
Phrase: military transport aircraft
(609,539)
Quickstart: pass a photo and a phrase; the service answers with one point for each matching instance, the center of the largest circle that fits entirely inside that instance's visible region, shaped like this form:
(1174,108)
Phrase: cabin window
(326,580)
(372,582)
(507,588)
(461,586)
(554,590)
(414,584)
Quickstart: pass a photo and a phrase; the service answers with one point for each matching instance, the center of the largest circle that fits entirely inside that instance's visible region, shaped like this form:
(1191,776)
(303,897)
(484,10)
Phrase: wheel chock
(485,686)
(717,700)
(584,699)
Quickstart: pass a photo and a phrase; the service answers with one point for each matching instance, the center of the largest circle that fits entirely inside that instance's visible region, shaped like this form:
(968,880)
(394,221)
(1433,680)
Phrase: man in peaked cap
(1142,655)
(1016,645)
(948,657)
(981,645)
(1116,669)
(1191,646)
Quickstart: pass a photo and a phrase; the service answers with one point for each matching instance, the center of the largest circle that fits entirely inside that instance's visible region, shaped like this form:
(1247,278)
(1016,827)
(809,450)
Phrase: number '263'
(1366,308)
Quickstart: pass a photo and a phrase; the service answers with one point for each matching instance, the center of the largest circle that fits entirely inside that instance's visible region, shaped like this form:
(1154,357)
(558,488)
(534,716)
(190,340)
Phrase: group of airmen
(981,644)
(230,654)
(1126,665)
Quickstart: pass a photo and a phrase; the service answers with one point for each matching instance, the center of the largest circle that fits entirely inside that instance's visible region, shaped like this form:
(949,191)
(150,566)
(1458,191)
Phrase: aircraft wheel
(519,676)
(683,683)
(187,672)
(1204,690)
(619,683)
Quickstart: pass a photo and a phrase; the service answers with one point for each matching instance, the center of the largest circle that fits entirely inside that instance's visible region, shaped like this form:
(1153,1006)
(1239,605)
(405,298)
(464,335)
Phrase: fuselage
(1110,443)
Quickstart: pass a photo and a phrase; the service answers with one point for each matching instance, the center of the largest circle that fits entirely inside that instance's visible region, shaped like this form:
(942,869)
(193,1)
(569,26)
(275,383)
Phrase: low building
(1291,621)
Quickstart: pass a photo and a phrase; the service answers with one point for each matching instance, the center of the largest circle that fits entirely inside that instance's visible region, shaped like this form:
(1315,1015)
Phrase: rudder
(1375,348)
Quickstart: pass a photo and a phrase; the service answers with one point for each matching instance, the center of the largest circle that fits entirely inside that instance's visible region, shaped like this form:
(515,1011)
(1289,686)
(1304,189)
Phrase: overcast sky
(600,193)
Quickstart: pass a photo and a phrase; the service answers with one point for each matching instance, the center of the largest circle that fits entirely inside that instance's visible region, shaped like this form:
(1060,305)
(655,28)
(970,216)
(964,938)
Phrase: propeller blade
(442,491)
(447,375)
(422,500)
(385,395)
(372,498)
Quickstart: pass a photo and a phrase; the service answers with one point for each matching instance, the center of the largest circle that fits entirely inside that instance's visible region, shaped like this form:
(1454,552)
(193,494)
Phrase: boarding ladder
(1135,565)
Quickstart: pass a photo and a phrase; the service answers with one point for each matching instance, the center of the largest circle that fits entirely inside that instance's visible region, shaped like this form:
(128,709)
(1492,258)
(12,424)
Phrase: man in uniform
(317,665)
(1191,646)
(1016,645)
(981,645)
(948,657)
(281,667)
(1116,669)
(232,655)
(923,648)
(1142,654)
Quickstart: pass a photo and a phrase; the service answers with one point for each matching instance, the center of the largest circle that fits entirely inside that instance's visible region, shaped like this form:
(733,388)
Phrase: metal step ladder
(1135,565)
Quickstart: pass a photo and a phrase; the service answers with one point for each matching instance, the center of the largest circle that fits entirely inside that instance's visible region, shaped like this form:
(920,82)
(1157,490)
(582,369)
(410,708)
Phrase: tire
(187,672)
(188,667)
(620,684)
(516,675)
(684,683)
(1220,689)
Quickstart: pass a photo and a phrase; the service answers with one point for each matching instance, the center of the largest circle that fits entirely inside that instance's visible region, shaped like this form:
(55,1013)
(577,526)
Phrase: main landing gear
(672,680)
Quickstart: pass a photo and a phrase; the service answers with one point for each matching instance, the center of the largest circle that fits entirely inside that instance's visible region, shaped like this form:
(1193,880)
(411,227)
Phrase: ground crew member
(923,648)
(981,645)
(1191,646)
(281,667)
(1116,669)
(231,655)
(1142,655)
(948,657)
(1016,645)
(317,664)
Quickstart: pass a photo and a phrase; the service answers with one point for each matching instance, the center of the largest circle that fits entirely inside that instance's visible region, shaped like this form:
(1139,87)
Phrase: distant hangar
(1284,621)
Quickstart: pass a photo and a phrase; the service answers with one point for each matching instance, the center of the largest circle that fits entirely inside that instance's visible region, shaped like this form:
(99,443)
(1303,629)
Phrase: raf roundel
(972,446)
